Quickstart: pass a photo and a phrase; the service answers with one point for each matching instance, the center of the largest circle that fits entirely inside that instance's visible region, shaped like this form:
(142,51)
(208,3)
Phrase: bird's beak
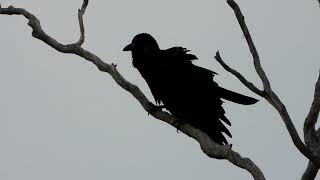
(128,47)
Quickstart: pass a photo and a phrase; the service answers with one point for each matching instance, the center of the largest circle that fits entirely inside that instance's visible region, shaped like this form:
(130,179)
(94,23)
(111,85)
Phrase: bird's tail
(216,130)
(236,97)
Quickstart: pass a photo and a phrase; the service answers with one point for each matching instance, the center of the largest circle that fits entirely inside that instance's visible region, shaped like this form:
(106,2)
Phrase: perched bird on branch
(186,90)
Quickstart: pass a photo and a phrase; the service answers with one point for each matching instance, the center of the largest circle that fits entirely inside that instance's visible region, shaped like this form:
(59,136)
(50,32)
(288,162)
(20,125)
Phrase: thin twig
(244,81)
(208,146)
(252,47)
(80,18)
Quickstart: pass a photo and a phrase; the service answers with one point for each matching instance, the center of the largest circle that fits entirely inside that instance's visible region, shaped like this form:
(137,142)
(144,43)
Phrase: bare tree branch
(311,136)
(253,50)
(80,17)
(268,94)
(244,81)
(310,132)
(208,146)
(214,150)
(311,172)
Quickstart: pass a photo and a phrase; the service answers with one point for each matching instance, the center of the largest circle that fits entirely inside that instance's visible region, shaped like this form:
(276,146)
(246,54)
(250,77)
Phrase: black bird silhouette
(186,90)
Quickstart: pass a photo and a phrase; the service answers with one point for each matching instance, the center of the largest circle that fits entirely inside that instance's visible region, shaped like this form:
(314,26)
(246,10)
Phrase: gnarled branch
(208,146)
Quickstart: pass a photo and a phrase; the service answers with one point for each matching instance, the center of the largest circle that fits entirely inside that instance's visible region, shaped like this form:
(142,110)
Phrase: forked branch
(244,81)
(268,93)
(208,146)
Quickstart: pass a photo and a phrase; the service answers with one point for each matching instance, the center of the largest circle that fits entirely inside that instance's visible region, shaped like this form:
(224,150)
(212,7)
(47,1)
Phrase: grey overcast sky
(60,118)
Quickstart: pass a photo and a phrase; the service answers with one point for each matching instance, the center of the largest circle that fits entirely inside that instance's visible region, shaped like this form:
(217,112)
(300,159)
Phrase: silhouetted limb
(244,81)
(208,146)
(311,172)
(80,17)
(268,93)
(311,135)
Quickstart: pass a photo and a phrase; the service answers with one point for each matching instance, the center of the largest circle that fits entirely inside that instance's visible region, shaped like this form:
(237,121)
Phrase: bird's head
(142,44)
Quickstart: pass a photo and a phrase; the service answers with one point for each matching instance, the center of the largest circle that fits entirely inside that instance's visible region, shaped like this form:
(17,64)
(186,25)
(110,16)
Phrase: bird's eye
(132,44)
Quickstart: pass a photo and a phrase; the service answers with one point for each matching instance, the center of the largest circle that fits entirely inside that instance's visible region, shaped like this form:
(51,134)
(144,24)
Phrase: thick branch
(208,146)
(309,125)
(212,149)
(270,96)
(311,172)
(311,136)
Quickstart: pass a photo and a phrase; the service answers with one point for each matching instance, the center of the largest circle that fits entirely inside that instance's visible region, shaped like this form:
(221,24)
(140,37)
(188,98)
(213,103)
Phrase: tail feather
(225,119)
(236,97)
(225,130)
(217,137)
(216,130)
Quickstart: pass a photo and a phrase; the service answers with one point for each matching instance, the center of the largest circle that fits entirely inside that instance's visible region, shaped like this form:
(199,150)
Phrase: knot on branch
(11,10)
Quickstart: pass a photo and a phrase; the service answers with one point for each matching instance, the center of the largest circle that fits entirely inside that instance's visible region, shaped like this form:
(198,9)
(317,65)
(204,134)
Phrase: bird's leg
(154,108)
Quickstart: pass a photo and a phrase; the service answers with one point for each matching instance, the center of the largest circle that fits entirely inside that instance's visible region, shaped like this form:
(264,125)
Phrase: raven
(186,90)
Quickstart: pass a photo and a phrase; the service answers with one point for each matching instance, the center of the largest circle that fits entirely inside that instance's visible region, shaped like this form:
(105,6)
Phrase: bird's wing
(180,53)
(189,93)
(179,56)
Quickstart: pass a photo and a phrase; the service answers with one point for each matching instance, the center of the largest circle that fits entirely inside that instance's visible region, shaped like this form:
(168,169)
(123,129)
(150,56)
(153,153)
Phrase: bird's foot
(229,146)
(154,108)
(178,124)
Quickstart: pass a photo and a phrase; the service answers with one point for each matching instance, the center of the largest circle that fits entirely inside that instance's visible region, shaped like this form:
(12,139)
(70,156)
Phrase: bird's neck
(141,60)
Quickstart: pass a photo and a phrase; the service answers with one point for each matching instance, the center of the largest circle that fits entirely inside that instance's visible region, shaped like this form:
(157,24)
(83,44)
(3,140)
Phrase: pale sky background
(60,118)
